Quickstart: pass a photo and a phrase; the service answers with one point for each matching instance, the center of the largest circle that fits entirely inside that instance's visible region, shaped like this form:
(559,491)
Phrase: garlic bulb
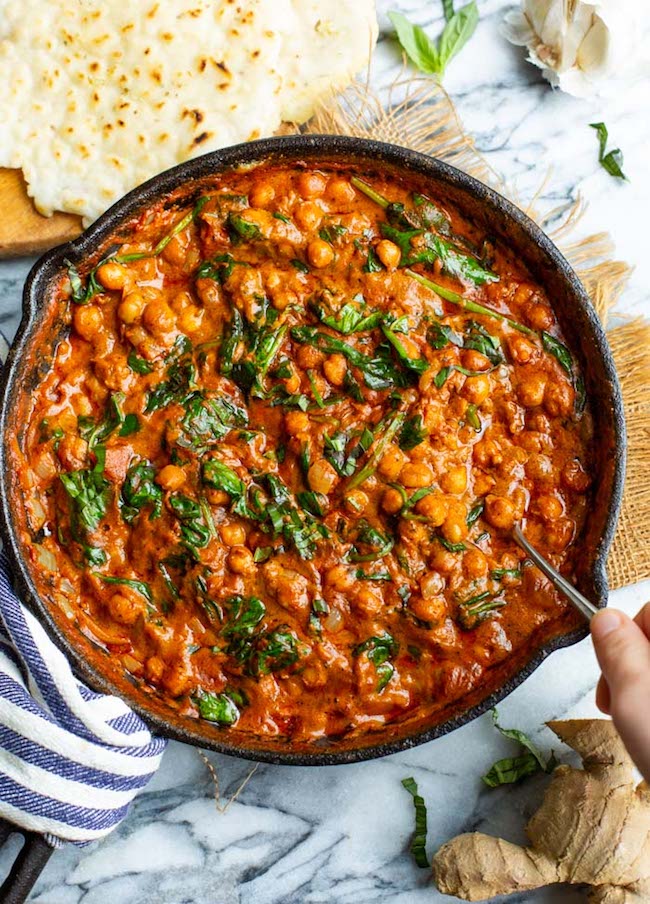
(581,47)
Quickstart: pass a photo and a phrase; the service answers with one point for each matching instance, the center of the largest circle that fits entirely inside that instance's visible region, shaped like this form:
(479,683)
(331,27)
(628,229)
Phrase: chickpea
(356,501)
(474,360)
(284,298)
(261,195)
(539,316)
(154,669)
(308,215)
(539,467)
(125,609)
(335,369)
(340,191)
(217,497)
(321,476)
(431,584)
(308,356)
(500,512)
(392,462)
(560,534)
(442,560)
(454,480)
(431,609)
(574,476)
(476,389)
(433,507)
(454,528)
(558,398)
(483,483)
(389,254)
(392,501)
(531,389)
(158,317)
(369,601)
(339,578)
(88,321)
(112,276)
(190,319)
(550,507)
(233,534)
(319,253)
(176,249)
(131,307)
(522,350)
(475,564)
(171,477)
(240,560)
(292,383)
(296,422)
(416,475)
(72,452)
(311,185)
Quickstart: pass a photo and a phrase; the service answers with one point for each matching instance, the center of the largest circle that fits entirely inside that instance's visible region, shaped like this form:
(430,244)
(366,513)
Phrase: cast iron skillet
(33,345)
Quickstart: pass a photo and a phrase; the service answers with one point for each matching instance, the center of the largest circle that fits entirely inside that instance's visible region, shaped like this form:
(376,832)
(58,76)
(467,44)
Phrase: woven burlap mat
(420,115)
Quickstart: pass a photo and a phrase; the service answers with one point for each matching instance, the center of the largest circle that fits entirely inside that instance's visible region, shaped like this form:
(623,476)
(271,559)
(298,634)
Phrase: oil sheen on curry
(275,464)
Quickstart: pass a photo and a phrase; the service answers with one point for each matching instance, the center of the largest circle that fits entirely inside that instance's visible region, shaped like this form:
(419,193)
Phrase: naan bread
(99,95)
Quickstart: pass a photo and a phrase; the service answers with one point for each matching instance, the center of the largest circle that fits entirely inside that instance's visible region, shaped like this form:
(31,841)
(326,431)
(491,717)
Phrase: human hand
(623,650)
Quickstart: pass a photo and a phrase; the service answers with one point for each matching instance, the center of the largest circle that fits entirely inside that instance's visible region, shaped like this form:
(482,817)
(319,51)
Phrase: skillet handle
(28,865)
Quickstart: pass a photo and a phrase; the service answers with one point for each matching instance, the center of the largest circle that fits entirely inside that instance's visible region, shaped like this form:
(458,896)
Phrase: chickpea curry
(274,465)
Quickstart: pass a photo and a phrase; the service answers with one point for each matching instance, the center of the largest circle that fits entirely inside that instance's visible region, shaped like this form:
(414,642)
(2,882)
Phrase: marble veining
(340,835)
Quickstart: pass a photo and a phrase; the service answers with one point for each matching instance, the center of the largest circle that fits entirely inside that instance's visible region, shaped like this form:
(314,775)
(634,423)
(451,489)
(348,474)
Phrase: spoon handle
(581,603)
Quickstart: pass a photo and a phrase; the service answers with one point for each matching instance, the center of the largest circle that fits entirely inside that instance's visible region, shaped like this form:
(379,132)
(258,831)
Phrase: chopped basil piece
(220,476)
(473,611)
(218,708)
(475,514)
(241,230)
(559,351)
(300,265)
(513,769)
(139,490)
(418,843)
(611,161)
(379,650)
(412,433)
(139,365)
(139,586)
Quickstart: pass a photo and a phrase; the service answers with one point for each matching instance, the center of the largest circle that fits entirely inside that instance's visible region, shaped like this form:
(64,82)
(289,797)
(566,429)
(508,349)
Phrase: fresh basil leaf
(420,49)
(456,33)
(453,261)
(369,538)
(418,843)
(448,9)
(611,161)
(473,611)
(556,348)
(379,650)
(513,769)
(274,651)
(439,336)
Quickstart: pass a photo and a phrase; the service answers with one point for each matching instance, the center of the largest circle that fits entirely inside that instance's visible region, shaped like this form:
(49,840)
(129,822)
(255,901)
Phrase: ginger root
(592,828)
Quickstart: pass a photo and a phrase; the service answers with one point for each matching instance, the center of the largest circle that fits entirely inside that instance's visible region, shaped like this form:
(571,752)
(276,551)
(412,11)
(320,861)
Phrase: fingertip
(603,697)
(606,622)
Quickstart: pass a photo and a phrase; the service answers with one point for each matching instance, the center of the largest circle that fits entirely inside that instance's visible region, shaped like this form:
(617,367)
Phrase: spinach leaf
(412,433)
(475,513)
(209,420)
(245,614)
(180,382)
(372,264)
(242,230)
(430,215)
(139,490)
(80,295)
(130,425)
(182,224)
(384,435)
(351,318)
(611,161)
(275,650)
(481,340)
(559,351)
(378,372)
(219,708)
(95,433)
(419,365)
(299,265)
(439,336)
(196,528)
(371,539)
(231,339)
(418,843)
(453,261)
(498,573)
(332,232)
(141,587)
(379,650)
(220,476)
(139,365)
(335,450)
(89,495)
(218,268)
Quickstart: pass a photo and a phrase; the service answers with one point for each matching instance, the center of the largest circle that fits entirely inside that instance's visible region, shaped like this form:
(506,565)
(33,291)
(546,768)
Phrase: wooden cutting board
(23,231)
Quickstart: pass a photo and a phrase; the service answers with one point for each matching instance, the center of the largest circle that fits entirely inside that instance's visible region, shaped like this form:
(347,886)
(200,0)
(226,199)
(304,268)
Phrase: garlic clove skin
(582,48)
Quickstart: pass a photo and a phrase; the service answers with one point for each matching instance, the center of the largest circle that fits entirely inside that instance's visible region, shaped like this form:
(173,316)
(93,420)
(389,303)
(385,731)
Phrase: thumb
(623,652)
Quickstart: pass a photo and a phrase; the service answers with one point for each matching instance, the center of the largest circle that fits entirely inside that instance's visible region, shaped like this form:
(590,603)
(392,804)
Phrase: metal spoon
(581,603)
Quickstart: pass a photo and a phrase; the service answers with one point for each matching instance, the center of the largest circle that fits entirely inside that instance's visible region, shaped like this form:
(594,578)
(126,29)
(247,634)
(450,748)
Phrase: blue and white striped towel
(71,760)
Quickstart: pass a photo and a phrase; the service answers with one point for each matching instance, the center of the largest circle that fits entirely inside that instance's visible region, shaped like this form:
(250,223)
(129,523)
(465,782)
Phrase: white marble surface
(340,835)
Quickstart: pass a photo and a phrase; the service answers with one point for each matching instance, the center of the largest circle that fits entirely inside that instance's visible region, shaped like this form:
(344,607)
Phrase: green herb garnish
(513,769)
(419,840)
(429,56)
(611,161)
